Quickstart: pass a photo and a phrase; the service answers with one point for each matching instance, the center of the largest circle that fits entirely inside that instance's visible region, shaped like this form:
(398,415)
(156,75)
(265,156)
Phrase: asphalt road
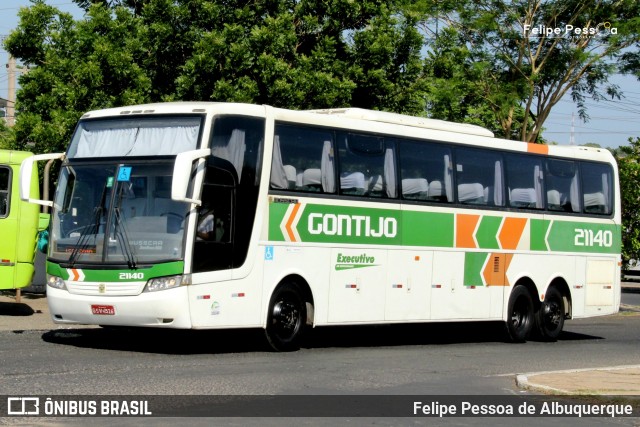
(433,359)
(424,360)
(631,298)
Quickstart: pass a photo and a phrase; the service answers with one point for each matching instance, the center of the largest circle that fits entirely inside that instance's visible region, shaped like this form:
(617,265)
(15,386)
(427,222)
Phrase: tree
(628,158)
(294,54)
(524,56)
(305,54)
(5,136)
(74,67)
(136,5)
(457,92)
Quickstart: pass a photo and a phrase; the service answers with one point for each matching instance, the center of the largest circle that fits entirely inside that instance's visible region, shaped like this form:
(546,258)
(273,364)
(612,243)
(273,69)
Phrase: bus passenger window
(561,180)
(4,191)
(596,188)
(302,160)
(367,166)
(524,181)
(425,171)
(479,177)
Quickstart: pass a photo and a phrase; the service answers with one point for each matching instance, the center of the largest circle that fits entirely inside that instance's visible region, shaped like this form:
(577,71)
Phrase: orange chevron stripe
(495,272)
(465,226)
(511,232)
(537,148)
(290,233)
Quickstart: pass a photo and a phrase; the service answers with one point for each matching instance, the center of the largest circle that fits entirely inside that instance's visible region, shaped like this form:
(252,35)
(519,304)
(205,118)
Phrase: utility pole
(572,138)
(12,71)
(6,106)
(11,94)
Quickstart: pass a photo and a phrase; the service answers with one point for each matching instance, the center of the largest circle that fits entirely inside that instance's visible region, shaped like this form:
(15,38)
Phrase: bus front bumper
(162,309)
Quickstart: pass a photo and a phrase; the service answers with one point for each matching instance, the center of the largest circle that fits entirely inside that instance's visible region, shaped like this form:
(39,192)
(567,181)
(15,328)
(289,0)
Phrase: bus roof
(400,119)
(13,157)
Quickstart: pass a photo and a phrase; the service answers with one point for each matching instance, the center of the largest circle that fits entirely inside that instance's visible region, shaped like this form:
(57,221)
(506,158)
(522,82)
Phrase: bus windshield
(117,213)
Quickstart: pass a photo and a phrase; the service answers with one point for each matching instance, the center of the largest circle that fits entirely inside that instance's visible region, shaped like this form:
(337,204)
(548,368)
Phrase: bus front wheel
(286,320)
(520,314)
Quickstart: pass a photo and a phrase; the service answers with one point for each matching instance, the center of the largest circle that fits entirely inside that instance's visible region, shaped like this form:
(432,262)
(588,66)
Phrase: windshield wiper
(123,238)
(92,229)
(83,241)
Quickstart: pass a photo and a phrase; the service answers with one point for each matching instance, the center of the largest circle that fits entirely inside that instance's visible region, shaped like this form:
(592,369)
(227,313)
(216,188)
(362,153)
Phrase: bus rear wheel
(550,316)
(286,321)
(520,314)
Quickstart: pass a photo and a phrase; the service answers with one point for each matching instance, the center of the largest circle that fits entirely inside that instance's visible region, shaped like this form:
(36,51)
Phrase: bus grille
(105,289)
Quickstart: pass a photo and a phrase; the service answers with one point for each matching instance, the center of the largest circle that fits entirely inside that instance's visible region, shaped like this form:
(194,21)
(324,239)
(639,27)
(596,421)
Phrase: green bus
(20,222)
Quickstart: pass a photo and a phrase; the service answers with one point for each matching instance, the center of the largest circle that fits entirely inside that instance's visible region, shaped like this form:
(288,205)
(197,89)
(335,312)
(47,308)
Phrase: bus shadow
(161,341)
(419,334)
(183,342)
(15,309)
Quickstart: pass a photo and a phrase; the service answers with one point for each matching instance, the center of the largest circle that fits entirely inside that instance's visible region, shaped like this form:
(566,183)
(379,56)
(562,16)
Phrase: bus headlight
(169,282)
(56,282)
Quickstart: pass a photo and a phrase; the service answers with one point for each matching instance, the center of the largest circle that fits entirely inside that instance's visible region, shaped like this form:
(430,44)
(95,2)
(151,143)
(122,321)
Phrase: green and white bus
(220,215)
(19,223)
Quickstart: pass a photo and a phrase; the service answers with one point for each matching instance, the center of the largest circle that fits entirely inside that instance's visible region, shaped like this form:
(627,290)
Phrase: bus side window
(5,174)
(596,188)
(524,181)
(367,166)
(479,177)
(561,179)
(425,171)
(302,160)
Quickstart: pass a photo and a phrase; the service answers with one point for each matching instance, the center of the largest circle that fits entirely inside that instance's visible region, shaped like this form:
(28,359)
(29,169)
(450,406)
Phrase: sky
(611,122)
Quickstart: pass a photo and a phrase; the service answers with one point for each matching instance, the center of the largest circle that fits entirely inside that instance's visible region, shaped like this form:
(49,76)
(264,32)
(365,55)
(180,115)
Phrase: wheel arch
(305,290)
(530,285)
(561,285)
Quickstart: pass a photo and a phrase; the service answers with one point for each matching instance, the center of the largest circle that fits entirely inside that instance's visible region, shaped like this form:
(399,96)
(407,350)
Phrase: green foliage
(520,74)
(294,54)
(6,136)
(478,67)
(74,67)
(628,158)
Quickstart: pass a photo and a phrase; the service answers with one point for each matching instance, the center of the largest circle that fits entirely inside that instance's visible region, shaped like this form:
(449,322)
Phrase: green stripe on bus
(316,223)
(119,275)
(570,236)
(488,232)
(473,263)
(349,225)
(277,212)
(538,230)
(428,229)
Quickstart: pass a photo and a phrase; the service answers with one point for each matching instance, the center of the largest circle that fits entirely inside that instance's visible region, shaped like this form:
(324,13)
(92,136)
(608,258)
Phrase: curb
(524,381)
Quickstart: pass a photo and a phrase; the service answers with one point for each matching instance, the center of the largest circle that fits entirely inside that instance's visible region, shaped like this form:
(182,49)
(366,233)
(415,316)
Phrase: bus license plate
(105,310)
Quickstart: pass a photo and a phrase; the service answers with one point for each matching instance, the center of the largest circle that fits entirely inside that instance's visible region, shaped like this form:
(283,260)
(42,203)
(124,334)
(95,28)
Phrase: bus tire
(550,316)
(286,320)
(520,316)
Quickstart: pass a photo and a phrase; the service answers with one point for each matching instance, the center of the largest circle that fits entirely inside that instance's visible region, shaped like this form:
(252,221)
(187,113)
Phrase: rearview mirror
(182,174)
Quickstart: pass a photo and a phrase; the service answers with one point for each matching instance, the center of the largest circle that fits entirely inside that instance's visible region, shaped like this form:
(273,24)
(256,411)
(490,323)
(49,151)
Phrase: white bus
(217,215)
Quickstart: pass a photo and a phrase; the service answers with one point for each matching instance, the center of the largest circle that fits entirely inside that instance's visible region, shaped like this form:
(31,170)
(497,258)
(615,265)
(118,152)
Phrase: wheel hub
(552,313)
(285,315)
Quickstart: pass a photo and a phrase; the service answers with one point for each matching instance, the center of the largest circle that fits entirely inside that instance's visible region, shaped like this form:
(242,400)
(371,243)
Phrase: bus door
(18,226)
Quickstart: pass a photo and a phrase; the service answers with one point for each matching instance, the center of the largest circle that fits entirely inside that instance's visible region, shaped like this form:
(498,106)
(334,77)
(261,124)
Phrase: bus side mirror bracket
(182,174)
(26,171)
